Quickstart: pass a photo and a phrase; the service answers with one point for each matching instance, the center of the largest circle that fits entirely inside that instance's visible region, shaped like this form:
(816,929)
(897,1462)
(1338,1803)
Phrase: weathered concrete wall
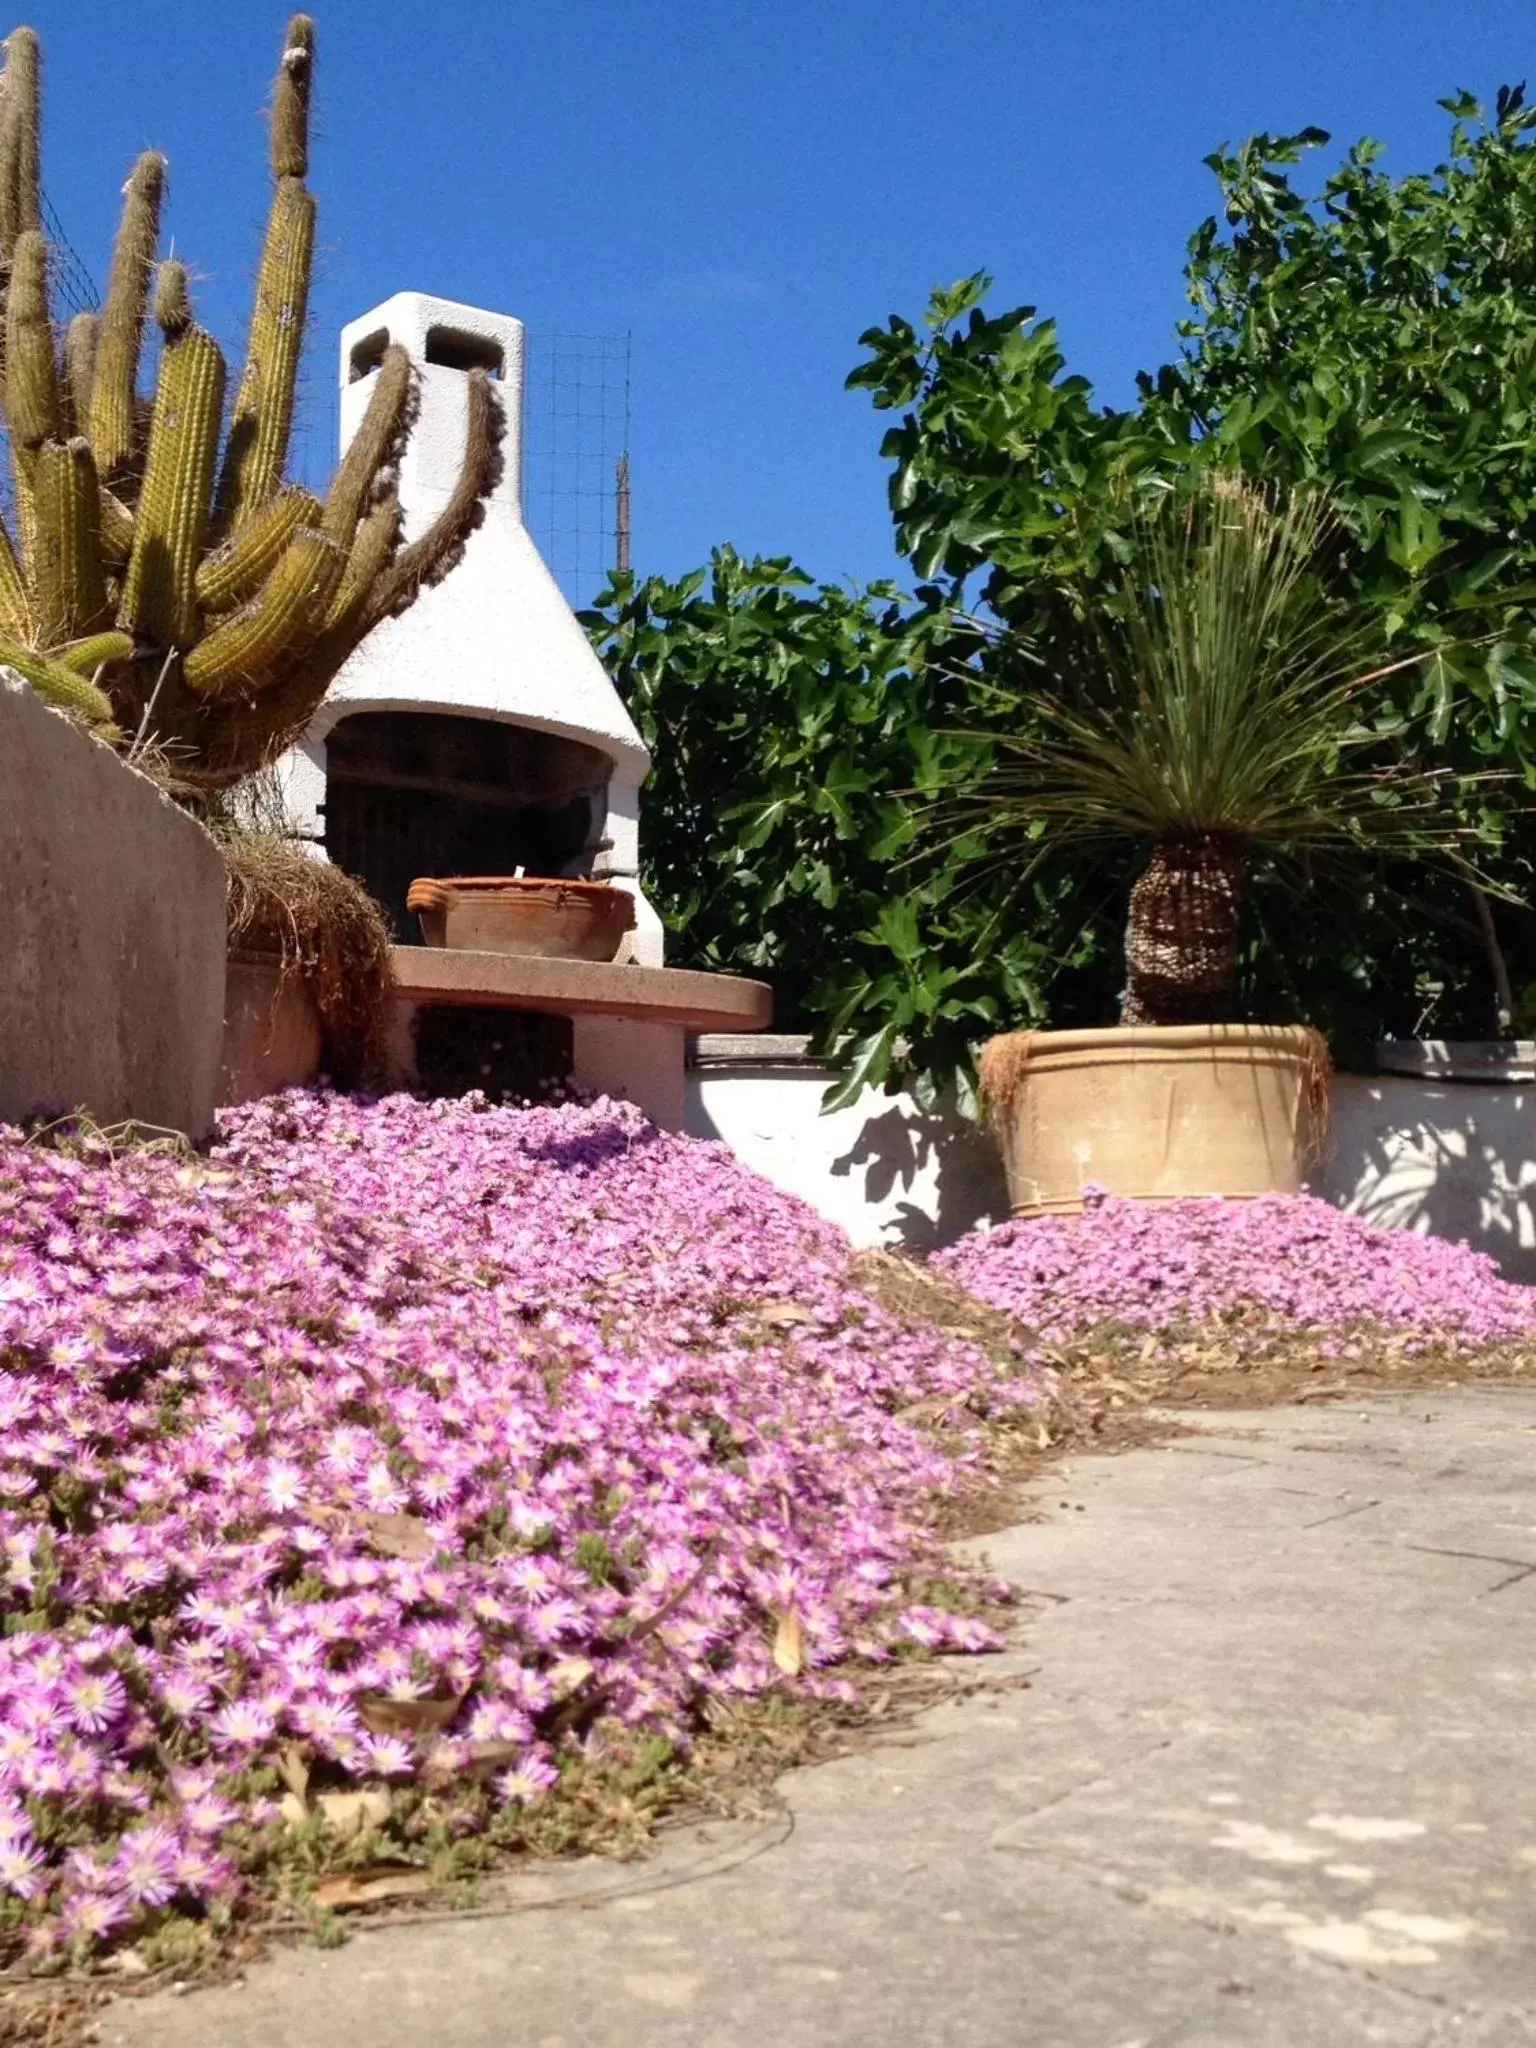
(112,925)
(1442,1159)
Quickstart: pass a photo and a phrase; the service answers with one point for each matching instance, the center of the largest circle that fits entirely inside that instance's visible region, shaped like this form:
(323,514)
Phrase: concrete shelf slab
(583,988)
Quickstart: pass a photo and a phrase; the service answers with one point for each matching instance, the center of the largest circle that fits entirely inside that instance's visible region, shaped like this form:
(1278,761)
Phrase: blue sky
(742,187)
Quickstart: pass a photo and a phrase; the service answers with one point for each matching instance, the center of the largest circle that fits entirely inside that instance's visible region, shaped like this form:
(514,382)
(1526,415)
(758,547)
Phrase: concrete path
(1272,1785)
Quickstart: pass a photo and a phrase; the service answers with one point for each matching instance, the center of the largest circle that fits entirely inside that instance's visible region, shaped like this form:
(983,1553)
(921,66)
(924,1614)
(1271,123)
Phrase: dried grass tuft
(916,1293)
(1000,1073)
(325,928)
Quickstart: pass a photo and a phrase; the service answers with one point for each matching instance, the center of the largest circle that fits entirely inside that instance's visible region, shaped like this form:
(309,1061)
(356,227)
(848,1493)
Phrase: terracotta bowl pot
(551,919)
(272,1033)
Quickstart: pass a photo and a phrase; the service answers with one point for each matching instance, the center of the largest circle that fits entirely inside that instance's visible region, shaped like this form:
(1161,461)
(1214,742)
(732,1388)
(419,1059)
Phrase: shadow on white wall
(888,1172)
(1442,1159)
(932,1177)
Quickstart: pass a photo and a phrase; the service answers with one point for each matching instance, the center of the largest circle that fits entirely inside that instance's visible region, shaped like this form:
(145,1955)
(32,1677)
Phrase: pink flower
(89,1917)
(144,1868)
(21,1866)
(95,1700)
(529,1782)
(531,1341)
(244,1725)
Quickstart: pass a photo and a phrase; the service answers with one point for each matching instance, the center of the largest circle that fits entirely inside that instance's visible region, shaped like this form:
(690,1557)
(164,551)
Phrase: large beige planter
(1155,1112)
(272,1034)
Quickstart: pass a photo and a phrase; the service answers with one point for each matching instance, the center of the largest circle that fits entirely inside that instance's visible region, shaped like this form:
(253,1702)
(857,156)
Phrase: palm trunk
(1181,936)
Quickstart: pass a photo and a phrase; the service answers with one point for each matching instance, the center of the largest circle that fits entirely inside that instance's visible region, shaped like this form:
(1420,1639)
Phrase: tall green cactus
(167,587)
(159,594)
(121,335)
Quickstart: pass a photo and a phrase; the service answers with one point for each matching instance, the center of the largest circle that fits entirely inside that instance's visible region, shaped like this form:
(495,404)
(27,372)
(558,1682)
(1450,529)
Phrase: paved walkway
(1272,1784)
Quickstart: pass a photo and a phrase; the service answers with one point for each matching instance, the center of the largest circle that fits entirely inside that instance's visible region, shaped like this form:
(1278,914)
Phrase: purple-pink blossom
(1287,1262)
(418,1407)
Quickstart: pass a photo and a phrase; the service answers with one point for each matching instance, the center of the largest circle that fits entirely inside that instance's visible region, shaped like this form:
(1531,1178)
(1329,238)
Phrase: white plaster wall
(495,638)
(1440,1158)
(888,1172)
(1432,1157)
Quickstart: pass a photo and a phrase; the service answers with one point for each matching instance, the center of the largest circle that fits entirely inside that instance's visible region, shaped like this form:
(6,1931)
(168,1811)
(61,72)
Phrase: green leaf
(868,1063)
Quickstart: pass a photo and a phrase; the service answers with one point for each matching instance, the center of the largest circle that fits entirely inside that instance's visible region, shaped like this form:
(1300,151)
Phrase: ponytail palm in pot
(1219,714)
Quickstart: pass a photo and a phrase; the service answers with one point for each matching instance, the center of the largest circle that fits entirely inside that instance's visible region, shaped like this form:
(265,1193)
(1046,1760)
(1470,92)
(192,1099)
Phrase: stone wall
(112,924)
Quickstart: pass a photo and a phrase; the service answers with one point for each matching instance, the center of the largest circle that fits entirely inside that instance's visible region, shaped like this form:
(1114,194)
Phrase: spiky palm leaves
(164,579)
(1218,712)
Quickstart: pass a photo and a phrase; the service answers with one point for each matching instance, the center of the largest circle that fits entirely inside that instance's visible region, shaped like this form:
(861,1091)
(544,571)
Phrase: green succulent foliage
(802,736)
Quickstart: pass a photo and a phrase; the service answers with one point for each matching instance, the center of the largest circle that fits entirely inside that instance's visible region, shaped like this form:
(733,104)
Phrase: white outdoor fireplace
(478,733)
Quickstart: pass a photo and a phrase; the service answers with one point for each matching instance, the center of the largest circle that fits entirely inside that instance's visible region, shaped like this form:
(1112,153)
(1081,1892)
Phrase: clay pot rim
(1129,1038)
(513,881)
(432,888)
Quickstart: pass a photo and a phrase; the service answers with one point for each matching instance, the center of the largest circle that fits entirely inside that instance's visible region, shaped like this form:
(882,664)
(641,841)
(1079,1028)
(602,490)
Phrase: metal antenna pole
(621,513)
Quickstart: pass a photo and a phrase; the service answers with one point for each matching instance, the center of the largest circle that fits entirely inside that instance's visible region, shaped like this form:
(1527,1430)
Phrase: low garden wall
(1446,1158)
(887,1171)
(1453,1160)
(112,918)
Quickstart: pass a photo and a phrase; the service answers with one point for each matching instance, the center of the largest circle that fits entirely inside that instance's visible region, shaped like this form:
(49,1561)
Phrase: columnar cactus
(164,581)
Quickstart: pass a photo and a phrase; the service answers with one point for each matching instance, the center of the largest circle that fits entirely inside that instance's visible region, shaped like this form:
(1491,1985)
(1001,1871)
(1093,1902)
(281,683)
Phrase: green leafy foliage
(803,736)
(1375,339)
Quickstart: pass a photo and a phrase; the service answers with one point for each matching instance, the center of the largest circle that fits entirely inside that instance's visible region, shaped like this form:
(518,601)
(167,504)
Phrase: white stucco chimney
(495,640)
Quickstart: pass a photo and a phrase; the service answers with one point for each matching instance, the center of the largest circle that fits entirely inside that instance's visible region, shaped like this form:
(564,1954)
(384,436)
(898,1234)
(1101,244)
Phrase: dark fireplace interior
(411,793)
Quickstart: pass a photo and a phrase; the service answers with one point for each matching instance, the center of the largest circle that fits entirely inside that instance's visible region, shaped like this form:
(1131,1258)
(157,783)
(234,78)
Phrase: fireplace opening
(411,793)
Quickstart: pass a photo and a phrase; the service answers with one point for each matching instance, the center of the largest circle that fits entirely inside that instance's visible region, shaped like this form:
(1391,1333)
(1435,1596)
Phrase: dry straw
(326,929)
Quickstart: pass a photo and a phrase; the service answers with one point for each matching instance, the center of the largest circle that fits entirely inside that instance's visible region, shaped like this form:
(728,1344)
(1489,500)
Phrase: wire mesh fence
(71,287)
(576,460)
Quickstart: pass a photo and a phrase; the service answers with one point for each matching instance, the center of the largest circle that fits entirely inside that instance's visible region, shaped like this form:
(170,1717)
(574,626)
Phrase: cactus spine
(31,385)
(95,652)
(239,655)
(372,448)
(238,568)
(290,100)
(59,686)
(15,601)
(20,188)
(116,530)
(378,535)
(248,734)
(79,363)
(258,439)
(219,653)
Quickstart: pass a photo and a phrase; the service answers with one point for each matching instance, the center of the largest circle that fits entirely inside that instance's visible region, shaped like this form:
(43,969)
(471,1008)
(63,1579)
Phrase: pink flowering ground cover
(1279,1266)
(426,1450)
